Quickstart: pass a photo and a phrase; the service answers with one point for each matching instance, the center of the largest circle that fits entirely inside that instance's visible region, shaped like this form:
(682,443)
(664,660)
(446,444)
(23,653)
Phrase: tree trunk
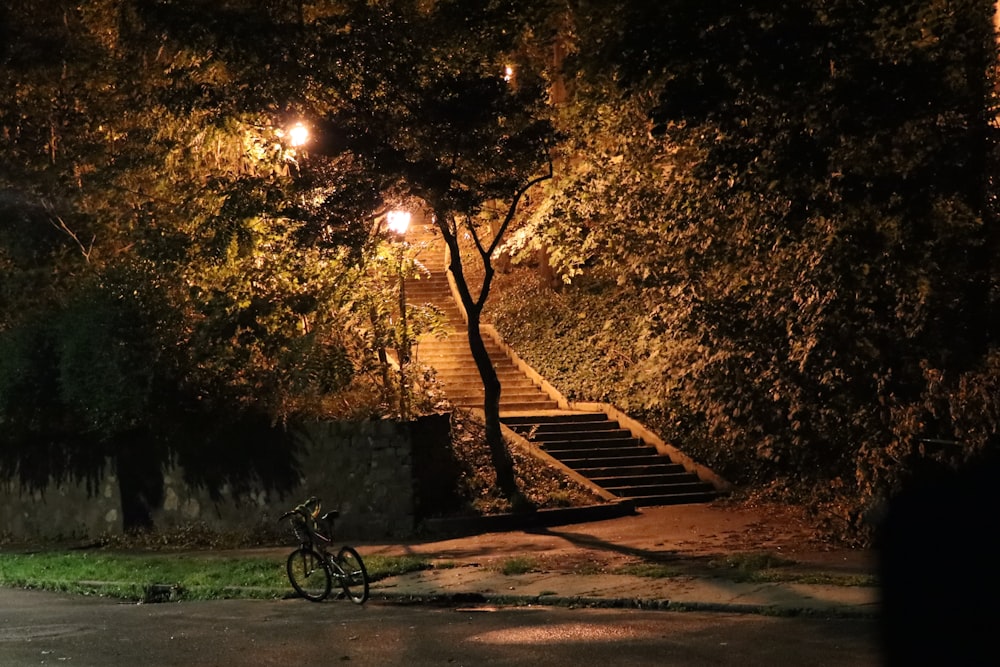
(503,464)
(500,455)
(502,461)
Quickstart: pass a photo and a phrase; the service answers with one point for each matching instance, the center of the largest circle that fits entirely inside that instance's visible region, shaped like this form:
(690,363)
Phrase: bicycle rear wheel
(353,576)
(309,574)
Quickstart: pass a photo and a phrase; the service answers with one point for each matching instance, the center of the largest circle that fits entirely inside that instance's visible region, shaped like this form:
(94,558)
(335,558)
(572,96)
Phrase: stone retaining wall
(61,511)
(363,469)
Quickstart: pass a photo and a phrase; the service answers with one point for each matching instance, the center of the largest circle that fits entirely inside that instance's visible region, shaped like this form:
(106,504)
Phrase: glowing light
(508,73)
(298,135)
(398,221)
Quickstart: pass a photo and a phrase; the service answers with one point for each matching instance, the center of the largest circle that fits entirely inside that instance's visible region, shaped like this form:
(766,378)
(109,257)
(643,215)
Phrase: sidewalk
(705,557)
(474,585)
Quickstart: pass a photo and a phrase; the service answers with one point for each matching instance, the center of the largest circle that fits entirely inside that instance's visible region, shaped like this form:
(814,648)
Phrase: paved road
(53,629)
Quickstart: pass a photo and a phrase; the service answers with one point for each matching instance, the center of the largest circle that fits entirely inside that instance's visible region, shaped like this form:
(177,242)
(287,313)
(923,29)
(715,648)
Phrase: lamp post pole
(399,222)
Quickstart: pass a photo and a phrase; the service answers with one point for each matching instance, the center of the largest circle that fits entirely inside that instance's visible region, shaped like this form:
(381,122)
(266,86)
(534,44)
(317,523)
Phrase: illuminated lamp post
(398,222)
(298,135)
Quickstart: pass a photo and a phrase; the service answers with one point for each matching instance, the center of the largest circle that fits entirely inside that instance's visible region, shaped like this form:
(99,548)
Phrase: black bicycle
(311,568)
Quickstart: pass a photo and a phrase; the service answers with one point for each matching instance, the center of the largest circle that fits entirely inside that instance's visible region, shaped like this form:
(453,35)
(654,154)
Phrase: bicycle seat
(332,514)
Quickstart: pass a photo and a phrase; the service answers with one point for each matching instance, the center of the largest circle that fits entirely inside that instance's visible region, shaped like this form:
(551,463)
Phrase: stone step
(600,454)
(440,298)
(476,384)
(625,441)
(442,301)
(536,400)
(431,285)
(619,438)
(457,338)
(511,406)
(441,354)
(459,359)
(518,406)
(584,465)
(612,474)
(470,375)
(533,420)
(456,393)
(462,362)
(691,485)
(466,368)
(674,499)
(637,481)
(476,387)
(506,388)
(568,429)
(451,316)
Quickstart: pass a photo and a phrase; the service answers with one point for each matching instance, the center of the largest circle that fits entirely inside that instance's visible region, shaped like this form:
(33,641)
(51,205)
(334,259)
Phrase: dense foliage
(176,271)
(774,223)
(793,201)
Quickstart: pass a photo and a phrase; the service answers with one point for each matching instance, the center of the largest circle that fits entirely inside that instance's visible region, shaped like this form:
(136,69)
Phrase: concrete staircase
(611,457)
(589,443)
(450,357)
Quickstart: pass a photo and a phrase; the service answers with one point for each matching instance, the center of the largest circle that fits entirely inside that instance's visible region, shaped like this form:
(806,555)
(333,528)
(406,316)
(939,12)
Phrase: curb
(644,604)
(165,593)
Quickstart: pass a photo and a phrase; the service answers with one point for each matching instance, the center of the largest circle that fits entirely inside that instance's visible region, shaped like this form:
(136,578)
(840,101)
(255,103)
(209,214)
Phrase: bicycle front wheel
(309,574)
(353,576)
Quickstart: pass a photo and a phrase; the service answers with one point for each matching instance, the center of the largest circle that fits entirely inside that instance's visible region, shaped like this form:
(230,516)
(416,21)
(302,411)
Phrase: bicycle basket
(301,530)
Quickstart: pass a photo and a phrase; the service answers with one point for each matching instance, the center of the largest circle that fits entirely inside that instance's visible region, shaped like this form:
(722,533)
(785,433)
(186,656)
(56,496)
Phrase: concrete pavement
(712,556)
(717,556)
(477,585)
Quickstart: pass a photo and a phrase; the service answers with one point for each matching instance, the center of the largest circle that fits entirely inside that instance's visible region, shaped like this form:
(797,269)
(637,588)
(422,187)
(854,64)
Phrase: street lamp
(398,222)
(298,135)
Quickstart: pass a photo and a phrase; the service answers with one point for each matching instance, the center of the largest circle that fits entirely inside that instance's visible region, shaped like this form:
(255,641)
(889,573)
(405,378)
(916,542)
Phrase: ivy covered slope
(775,230)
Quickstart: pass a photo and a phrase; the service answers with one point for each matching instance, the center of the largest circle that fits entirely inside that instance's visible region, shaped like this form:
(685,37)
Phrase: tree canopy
(170,258)
(796,197)
(800,197)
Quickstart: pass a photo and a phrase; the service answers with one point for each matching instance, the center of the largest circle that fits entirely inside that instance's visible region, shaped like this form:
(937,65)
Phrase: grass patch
(380,567)
(207,576)
(650,570)
(758,566)
(863,580)
(517,565)
(588,569)
(765,567)
(445,564)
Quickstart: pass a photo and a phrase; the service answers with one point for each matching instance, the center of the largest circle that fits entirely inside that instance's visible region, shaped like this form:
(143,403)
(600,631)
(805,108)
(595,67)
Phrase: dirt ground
(688,536)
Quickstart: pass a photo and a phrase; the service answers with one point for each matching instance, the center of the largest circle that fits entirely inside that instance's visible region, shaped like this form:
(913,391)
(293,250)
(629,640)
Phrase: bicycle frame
(309,529)
(305,527)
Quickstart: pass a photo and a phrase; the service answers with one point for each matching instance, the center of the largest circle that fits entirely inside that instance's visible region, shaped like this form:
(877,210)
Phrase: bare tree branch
(85,250)
(513,208)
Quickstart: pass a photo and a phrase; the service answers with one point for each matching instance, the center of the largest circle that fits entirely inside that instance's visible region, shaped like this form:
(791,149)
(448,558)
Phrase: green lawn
(198,576)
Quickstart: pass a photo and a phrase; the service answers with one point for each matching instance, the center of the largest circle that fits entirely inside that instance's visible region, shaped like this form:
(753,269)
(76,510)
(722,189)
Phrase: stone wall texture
(364,469)
(67,511)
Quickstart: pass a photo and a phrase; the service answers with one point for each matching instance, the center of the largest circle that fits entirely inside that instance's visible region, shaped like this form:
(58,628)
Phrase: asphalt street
(41,628)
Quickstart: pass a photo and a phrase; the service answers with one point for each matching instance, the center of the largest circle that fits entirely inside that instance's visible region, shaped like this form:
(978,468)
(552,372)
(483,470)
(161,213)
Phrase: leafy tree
(182,228)
(429,109)
(797,195)
(173,269)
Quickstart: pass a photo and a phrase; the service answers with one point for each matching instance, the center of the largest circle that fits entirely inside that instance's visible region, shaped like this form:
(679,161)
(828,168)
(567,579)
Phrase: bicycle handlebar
(306,511)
